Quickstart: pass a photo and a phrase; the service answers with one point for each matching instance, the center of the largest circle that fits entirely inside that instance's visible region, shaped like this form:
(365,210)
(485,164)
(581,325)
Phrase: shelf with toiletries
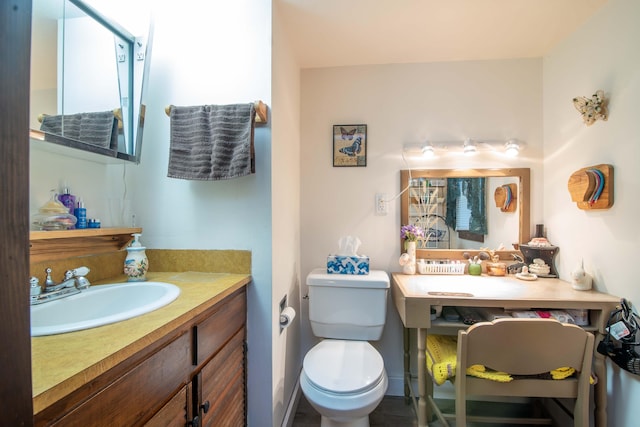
(59,244)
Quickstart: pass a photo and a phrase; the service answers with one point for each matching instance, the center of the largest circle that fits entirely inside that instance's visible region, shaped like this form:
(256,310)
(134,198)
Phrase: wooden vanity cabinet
(175,412)
(219,380)
(136,395)
(195,376)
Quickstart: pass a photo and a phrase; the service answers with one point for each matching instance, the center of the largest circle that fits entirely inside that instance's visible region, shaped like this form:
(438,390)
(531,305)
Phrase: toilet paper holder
(286,317)
(287,314)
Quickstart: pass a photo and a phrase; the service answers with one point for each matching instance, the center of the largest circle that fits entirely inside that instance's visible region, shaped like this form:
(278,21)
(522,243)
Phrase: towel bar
(261,111)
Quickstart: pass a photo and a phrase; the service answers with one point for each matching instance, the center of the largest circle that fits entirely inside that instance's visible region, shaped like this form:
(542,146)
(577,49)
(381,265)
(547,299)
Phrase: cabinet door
(175,413)
(221,385)
(137,395)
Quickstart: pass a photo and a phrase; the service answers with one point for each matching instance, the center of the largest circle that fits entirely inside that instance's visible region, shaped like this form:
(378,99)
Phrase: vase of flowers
(410,234)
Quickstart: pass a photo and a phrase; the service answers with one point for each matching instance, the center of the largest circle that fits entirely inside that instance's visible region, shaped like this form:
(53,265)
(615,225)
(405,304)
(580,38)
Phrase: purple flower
(411,233)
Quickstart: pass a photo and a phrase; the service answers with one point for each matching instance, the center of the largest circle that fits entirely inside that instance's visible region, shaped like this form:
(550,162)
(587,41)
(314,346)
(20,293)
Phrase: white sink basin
(465,285)
(100,305)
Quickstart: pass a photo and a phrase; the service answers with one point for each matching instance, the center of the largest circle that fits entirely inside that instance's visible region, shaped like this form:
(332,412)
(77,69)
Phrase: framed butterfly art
(349,145)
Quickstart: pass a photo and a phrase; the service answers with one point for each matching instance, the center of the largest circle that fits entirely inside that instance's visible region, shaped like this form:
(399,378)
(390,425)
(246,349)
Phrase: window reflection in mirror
(87,78)
(456,209)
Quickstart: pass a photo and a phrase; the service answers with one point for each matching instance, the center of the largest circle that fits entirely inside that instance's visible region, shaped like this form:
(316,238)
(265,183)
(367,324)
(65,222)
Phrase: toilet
(343,376)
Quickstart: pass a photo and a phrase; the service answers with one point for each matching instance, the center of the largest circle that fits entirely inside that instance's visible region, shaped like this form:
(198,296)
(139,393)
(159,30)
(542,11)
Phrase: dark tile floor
(393,412)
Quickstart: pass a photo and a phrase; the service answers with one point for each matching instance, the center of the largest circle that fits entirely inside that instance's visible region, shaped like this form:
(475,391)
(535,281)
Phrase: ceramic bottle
(136,263)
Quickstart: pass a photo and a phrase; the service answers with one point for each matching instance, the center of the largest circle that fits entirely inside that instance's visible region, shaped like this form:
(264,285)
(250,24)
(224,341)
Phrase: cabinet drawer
(213,332)
(222,385)
(137,395)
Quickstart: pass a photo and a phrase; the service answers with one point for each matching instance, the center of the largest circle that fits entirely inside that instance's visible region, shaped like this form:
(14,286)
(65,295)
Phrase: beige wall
(403,104)
(285,228)
(600,55)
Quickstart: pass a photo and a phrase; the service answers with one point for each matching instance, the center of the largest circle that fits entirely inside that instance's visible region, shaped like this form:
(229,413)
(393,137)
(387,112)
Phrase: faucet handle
(80,271)
(76,272)
(48,280)
(34,286)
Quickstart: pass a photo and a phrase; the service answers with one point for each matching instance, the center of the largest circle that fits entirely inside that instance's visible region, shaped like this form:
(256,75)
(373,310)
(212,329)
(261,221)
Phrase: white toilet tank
(348,306)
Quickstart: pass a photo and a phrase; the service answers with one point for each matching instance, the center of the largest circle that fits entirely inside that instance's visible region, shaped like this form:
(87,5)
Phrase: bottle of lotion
(136,263)
(68,199)
(81,215)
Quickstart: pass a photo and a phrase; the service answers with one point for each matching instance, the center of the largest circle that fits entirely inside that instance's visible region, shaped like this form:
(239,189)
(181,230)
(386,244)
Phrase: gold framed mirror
(424,203)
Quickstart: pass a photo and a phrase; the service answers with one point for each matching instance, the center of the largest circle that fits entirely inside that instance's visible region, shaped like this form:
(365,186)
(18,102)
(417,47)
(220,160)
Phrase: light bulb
(512,148)
(469,147)
(427,151)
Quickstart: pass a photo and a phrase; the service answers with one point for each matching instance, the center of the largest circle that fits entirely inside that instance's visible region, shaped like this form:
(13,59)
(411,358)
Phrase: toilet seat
(344,367)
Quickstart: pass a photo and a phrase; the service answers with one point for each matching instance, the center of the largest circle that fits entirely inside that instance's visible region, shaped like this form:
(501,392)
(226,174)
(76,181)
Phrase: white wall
(403,104)
(216,52)
(600,55)
(285,199)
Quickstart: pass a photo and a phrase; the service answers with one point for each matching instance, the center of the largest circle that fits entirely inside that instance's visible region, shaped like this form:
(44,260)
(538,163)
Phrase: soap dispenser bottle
(136,263)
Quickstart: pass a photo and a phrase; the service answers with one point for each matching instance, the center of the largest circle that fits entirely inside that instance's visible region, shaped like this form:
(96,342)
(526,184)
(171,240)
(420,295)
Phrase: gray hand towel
(211,142)
(95,128)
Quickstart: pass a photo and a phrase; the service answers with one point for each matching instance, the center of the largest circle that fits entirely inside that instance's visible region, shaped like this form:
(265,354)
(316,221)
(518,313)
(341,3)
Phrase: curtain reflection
(472,191)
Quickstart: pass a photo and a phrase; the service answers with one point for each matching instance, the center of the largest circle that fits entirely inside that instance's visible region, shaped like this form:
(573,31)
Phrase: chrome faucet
(73,282)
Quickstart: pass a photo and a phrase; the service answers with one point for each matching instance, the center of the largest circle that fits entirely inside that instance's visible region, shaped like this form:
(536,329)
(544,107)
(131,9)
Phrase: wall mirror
(88,75)
(460,210)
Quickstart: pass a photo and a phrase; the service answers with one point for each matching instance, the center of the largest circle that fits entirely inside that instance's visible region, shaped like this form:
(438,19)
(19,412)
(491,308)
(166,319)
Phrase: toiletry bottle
(81,214)
(68,199)
(136,263)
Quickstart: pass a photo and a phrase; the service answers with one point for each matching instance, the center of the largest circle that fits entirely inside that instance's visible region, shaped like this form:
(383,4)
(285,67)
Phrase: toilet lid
(339,366)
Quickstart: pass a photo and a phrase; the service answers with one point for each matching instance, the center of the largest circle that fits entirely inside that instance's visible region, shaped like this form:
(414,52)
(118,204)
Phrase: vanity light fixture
(469,147)
(512,148)
(428,150)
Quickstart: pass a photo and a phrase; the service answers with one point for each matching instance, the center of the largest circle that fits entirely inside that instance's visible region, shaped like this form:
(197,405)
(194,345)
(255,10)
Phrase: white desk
(415,295)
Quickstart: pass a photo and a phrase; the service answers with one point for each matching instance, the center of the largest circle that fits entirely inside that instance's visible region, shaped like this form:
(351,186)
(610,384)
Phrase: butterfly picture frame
(349,145)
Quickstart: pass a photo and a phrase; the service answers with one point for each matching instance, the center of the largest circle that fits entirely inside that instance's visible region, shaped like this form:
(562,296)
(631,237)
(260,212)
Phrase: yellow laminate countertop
(63,363)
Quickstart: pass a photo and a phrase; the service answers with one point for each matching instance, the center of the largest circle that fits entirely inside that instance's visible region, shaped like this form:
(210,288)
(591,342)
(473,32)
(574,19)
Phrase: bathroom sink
(100,305)
(465,286)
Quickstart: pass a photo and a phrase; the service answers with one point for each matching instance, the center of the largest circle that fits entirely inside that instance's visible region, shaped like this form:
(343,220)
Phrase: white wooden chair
(525,347)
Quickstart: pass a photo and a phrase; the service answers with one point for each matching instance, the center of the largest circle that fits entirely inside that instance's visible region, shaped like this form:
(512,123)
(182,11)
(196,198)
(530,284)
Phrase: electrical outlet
(382,205)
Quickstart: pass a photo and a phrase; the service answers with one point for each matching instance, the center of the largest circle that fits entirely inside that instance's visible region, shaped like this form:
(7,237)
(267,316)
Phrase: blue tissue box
(339,264)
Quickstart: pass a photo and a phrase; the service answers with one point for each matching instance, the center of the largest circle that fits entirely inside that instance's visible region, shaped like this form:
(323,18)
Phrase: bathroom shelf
(60,244)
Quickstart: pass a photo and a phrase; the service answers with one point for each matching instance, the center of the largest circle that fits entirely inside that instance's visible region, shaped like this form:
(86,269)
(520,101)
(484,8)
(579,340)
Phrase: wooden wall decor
(506,196)
(592,187)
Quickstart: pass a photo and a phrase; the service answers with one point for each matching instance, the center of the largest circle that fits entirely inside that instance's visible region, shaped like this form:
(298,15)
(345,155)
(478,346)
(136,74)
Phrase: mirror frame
(524,214)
